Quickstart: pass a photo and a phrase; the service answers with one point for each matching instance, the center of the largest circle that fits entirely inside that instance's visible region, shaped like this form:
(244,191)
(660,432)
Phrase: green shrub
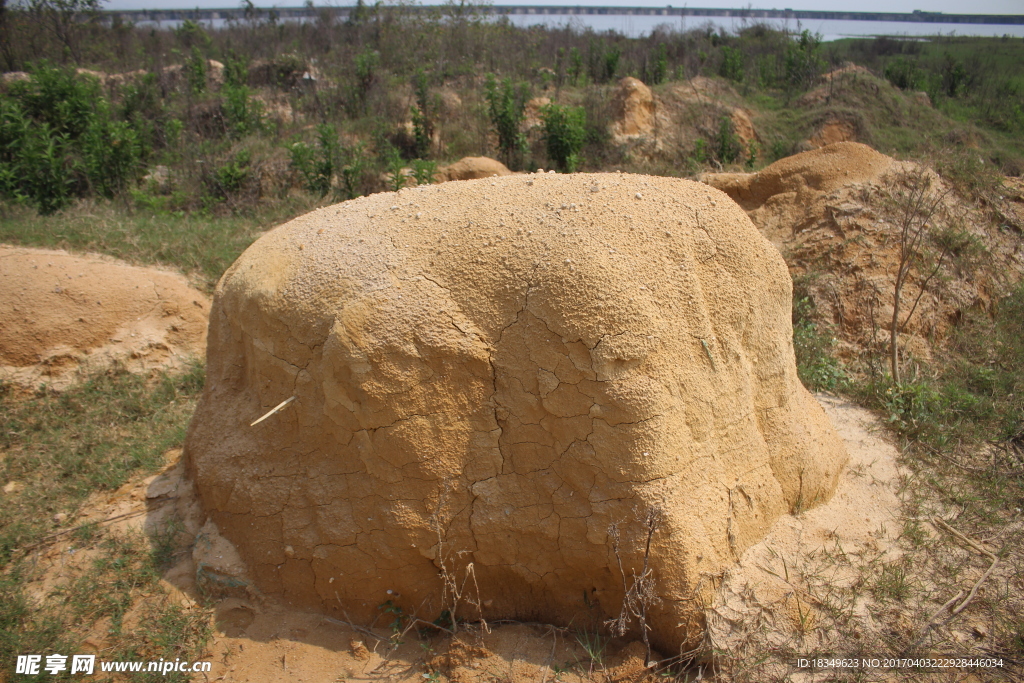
(727,146)
(802,60)
(610,63)
(732,64)
(111,153)
(422,123)
(701,155)
(352,173)
(236,71)
(816,366)
(424,171)
(195,72)
(60,138)
(228,180)
(565,131)
(243,114)
(366,71)
(575,65)
(395,165)
(505,105)
(659,68)
(904,74)
(317,163)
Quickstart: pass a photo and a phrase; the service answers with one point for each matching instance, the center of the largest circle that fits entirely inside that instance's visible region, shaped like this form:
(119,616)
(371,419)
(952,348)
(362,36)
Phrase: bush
(658,71)
(904,74)
(317,163)
(231,178)
(727,146)
(422,123)
(565,131)
(732,64)
(803,61)
(60,138)
(505,105)
(195,72)
(815,364)
(242,113)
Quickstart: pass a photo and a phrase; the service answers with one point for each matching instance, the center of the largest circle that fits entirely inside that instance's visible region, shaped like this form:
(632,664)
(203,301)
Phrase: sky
(947,6)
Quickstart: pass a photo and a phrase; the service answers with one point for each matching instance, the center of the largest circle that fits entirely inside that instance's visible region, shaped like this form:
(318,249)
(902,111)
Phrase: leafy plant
(242,112)
(727,146)
(195,72)
(732,64)
(506,105)
(230,178)
(565,131)
(609,63)
(396,168)
(422,124)
(318,163)
(236,71)
(424,171)
(803,62)
(575,65)
(816,365)
(111,153)
(60,138)
(659,68)
(904,74)
(352,173)
(366,72)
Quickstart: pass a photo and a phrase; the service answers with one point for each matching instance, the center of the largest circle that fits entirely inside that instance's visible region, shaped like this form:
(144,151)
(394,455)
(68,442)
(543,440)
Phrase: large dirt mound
(836,214)
(63,313)
(517,373)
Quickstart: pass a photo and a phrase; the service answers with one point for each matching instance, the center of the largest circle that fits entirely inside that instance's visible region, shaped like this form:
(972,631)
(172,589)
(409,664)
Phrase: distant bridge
(300,13)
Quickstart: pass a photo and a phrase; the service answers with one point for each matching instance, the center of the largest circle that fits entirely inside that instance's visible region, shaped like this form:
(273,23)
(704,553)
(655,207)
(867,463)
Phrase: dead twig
(361,629)
(933,622)
(941,524)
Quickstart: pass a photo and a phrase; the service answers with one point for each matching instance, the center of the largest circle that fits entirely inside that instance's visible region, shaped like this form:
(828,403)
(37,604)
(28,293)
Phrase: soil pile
(63,313)
(836,214)
(499,387)
(657,125)
(472,168)
(633,109)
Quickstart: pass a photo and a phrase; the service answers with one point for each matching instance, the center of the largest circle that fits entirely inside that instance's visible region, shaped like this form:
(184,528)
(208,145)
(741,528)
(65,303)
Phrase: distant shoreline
(299,13)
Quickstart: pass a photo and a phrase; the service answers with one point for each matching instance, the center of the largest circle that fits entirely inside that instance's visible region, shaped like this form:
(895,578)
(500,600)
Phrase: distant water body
(637,26)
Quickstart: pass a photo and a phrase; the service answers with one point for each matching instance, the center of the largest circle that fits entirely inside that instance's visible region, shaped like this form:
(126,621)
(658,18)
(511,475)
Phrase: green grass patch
(120,585)
(814,344)
(60,448)
(204,245)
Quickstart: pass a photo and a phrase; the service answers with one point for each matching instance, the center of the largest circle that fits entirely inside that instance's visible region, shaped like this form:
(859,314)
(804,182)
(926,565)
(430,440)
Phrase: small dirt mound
(63,313)
(659,125)
(633,108)
(471,168)
(785,185)
(833,131)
